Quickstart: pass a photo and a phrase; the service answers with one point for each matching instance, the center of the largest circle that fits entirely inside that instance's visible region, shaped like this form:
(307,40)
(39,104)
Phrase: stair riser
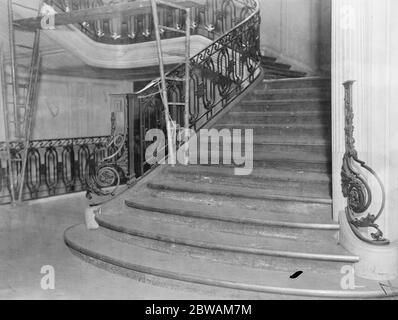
(262,231)
(286,131)
(323,113)
(217,157)
(270,119)
(265,204)
(295,94)
(276,66)
(281,164)
(274,73)
(293,106)
(194,287)
(296,166)
(227,224)
(289,150)
(291,188)
(268,59)
(296,84)
(268,262)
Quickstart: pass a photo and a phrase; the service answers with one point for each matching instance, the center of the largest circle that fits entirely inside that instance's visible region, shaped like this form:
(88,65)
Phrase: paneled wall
(298,32)
(75,107)
(70,107)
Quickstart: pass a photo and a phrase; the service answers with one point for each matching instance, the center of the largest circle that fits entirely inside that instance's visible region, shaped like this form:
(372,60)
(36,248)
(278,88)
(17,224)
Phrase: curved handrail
(219,74)
(355,185)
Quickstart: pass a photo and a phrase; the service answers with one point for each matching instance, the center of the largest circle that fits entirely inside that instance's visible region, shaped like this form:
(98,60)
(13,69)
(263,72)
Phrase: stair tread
(97,245)
(289,141)
(227,211)
(169,183)
(257,156)
(286,80)
(292,90)
(297,113)
(263,140)
(282,72)
(286,101)
(269,125)
(269,185)
(147,227)
(260,173)
(276,65)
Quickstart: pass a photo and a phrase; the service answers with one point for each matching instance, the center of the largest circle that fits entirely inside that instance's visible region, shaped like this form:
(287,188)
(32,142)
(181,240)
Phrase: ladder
(170,124)
(19,79)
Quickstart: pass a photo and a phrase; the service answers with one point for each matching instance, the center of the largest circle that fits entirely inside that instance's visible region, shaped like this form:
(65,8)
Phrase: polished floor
(31,236)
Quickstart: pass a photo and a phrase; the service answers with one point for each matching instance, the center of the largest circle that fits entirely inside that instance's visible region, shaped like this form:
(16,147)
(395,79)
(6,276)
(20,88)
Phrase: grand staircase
(201,228)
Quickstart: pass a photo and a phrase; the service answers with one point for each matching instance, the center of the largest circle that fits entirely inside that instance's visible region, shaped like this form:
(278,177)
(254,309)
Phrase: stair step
(226,210)
(259,152)
(268,59)
(287,130)
(278,94)
(258,173)
(269,184)
(272,65)
(282,73)
(289,105)
(267,252)
(272,205)
(184,272)
(295,83)
(277,117)
(264,143)
(238,192)
(225,154)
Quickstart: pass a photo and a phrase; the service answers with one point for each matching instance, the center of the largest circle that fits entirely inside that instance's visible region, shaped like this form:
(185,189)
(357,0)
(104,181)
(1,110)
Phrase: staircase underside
(201,228)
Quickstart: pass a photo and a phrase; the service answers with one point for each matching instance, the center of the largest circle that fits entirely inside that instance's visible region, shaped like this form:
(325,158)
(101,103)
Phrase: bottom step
(195,274)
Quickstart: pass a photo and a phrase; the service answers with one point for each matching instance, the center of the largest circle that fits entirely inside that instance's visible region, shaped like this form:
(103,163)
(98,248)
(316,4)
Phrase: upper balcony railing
(210,18)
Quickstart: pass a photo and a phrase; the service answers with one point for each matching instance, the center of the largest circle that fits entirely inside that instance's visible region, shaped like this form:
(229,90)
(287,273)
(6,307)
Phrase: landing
(32,236)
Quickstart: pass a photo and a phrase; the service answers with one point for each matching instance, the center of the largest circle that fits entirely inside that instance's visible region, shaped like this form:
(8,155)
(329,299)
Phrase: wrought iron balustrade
(210,18)
(219,74)
(357,179)
(57,166)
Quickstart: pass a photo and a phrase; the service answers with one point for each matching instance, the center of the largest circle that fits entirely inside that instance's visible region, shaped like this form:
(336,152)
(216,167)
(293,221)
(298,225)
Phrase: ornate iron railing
(356,181)
(210,18)
(57,166)
(105,176)
(219,74)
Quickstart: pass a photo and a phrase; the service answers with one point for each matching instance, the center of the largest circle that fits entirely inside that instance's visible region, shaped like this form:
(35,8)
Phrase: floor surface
(31,236)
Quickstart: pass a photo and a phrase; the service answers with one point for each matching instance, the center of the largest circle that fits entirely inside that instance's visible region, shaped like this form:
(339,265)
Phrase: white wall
(298,32)
(75,107)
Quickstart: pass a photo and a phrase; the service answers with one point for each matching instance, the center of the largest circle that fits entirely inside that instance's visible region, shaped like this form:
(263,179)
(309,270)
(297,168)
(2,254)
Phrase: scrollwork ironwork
(63,170)
(104,175)
(218,74)
(355,184)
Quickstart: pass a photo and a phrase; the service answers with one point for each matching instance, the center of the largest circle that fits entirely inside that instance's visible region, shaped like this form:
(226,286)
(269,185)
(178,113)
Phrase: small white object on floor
(89,215)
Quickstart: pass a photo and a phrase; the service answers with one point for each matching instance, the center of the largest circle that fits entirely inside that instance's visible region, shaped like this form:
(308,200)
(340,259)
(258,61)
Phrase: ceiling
(54,56)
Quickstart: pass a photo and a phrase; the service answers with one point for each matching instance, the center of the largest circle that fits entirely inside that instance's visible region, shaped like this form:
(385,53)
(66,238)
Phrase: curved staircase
(204,229)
